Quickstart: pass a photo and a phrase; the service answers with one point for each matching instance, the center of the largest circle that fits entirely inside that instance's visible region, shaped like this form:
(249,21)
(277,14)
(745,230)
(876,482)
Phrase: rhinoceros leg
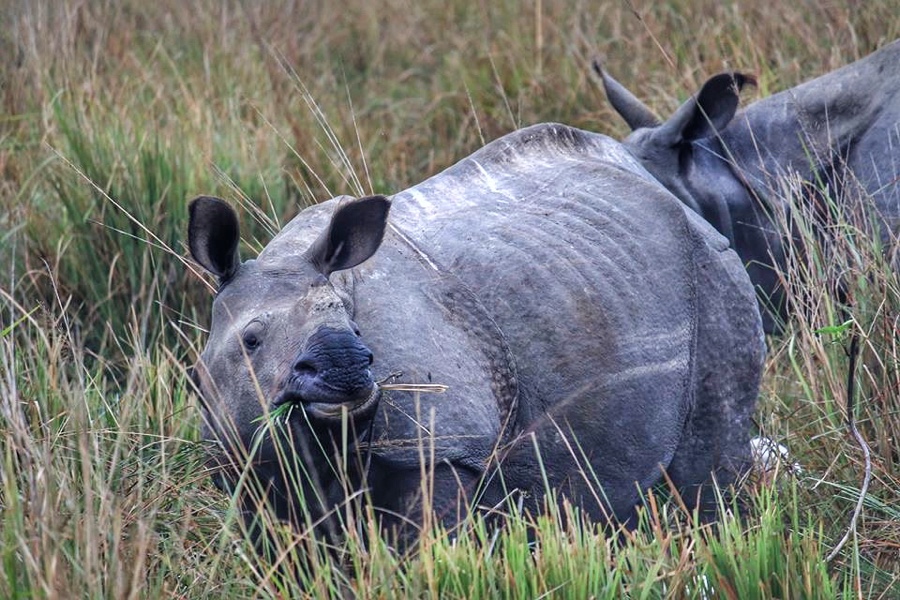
(729,354)
(398,495)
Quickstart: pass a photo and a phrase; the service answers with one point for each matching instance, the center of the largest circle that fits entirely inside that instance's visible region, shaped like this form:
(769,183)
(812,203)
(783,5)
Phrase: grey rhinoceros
(595,336)
(839,132)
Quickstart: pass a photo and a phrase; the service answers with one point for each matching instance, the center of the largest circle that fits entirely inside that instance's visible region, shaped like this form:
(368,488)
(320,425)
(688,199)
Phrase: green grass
(113,114)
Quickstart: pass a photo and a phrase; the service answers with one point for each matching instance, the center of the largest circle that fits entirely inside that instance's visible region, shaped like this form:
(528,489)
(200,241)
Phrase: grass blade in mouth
(282,410)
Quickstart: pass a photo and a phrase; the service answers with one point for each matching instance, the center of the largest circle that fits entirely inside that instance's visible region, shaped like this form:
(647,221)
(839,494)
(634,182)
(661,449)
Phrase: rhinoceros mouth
(334,411)
(328,409)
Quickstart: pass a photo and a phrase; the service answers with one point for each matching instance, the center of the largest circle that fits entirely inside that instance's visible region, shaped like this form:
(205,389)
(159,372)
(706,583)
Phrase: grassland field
(115,113)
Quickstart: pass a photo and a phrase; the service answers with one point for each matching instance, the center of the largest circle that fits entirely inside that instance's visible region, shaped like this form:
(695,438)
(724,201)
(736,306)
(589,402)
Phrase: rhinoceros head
(679,152)
(282,332)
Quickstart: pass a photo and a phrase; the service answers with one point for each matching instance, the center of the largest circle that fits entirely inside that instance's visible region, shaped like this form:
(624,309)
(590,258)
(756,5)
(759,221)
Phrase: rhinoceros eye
(252,335)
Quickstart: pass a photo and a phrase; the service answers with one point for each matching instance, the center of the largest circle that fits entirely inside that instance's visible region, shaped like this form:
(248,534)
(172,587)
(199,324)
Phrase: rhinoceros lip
(328,409)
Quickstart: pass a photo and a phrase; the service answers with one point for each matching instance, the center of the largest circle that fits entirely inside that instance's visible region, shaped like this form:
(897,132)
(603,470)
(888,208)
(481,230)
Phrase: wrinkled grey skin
(570,303)
(840,129)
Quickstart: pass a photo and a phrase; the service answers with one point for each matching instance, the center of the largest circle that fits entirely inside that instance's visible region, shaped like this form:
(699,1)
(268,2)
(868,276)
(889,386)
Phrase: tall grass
(101,489)
(116,112)
(842,284)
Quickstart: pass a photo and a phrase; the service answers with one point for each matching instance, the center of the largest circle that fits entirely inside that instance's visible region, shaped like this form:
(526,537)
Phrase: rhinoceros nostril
(305,366)
(370,357)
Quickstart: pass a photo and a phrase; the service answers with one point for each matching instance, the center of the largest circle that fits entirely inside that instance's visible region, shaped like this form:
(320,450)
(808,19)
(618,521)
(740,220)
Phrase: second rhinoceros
(838,134)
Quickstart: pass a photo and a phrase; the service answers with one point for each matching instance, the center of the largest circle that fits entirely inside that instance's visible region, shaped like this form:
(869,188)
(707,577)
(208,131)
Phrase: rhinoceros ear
(354,234)
(213,236)
(635,113)
(710,111)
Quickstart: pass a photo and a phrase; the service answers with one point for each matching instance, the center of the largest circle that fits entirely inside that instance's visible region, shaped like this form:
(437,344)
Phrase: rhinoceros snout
(334,368)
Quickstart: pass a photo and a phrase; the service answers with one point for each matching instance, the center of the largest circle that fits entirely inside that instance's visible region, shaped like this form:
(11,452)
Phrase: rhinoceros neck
(462,309)
(465,310)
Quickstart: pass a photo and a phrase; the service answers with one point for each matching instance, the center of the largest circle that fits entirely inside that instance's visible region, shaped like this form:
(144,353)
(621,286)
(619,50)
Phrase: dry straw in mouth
(427,388)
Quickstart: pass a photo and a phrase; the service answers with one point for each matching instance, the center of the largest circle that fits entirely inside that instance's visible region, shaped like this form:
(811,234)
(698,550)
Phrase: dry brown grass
(280,104)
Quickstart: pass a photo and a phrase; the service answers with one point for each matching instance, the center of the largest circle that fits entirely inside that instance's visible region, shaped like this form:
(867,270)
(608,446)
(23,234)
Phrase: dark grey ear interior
(213,236)
(354,234)
(706,113)
(715,105)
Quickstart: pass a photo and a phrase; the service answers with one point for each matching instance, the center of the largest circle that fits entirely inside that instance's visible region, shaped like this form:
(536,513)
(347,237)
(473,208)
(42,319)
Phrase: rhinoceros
(839,132)
(594,337)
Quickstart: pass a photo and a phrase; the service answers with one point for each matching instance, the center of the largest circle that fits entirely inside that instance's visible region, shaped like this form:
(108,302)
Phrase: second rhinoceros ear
(353,235)
(708,113)
(213,236)
(635,112)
